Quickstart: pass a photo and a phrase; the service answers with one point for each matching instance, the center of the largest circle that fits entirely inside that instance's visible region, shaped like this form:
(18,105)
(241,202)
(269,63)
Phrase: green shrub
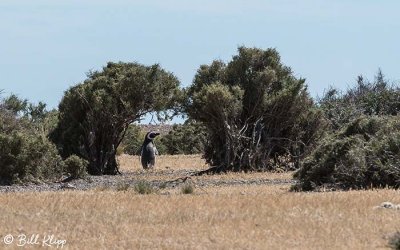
(28,157)
(364,154)
(187,189)
(133,140)
(377,97)
(188,138)
(394,241)
(144,187)
(76,166)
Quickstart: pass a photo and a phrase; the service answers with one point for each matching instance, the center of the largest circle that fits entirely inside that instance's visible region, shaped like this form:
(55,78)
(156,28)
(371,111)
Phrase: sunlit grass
(213,217)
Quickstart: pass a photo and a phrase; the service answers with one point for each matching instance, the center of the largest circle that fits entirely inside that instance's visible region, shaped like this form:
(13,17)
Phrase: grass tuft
(187,189)
(394,241)
(122,186)
(144,187)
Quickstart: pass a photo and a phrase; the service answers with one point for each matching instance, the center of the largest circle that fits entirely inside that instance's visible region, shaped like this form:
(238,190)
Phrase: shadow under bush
(364,154)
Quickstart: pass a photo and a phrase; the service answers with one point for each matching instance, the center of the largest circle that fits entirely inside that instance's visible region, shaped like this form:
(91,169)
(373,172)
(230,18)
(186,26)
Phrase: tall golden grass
(236,217)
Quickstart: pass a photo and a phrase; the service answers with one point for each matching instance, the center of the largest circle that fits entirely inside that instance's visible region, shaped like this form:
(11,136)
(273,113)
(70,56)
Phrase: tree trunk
(102,156)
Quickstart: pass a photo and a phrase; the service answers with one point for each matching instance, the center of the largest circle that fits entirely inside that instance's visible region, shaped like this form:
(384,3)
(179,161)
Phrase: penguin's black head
(151,135)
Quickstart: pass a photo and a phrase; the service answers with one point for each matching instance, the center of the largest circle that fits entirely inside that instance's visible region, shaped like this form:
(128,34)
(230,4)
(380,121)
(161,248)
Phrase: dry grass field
(244,215)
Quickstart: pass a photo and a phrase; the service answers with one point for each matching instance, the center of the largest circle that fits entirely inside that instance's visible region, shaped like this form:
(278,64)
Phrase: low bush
(187,189)
(76,166)
(363,154)
(144,187)
(394,241)
(28,157)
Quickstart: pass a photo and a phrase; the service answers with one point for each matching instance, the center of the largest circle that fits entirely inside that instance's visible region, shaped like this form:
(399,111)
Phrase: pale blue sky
(48,45)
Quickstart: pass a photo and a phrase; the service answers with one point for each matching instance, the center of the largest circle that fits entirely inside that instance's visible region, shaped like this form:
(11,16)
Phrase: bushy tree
(255,111)
(15,105)
(94,115)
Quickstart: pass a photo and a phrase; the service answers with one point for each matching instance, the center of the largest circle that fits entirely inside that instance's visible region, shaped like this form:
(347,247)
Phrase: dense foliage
(255,111)
(94,115)
(76,166)
(251,113)
(25,152)
(364,154)
(132,142)
(187,138)
(362,148)
(378,97)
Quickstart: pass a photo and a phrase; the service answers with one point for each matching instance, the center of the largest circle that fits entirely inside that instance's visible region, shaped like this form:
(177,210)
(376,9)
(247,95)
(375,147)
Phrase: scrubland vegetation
(264,140)
(248,114)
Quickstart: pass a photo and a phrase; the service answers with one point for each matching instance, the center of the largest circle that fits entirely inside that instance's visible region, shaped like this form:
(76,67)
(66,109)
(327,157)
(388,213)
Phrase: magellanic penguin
(149,150)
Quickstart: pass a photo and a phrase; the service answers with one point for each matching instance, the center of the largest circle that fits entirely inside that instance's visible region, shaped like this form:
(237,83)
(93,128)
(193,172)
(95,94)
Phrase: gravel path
(164,178)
